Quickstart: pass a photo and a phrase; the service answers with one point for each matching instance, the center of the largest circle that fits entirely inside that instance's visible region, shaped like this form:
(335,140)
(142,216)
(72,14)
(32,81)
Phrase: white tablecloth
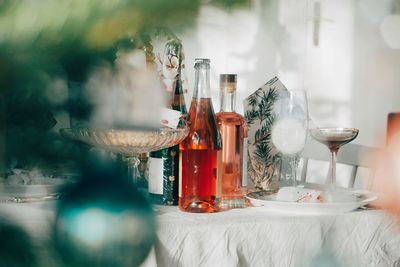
(254,237)
(249,237)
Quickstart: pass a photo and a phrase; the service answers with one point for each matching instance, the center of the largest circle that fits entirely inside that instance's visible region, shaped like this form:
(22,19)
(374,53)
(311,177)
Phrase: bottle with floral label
(164,164)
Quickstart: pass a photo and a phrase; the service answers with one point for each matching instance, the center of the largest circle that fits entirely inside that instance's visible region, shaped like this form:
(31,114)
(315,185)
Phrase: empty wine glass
(334,138)
(289,132)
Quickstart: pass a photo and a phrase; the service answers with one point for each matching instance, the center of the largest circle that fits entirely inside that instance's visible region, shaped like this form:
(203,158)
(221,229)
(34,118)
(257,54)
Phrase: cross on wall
(317,19)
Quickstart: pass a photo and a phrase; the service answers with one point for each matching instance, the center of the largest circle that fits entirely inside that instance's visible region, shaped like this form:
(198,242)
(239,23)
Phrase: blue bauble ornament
(104,220)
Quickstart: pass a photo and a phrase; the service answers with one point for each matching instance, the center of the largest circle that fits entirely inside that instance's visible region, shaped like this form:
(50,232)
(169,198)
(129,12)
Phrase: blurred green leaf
(65,39)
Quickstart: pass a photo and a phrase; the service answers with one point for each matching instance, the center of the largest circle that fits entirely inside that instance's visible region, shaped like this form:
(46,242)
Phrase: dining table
(252,236)
(257,237)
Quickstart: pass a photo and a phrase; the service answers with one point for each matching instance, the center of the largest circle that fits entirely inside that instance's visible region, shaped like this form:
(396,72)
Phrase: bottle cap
(227,82)
(205,62)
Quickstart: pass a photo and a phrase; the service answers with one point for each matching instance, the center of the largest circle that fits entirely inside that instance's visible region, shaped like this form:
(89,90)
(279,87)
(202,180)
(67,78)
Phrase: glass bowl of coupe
(128,143)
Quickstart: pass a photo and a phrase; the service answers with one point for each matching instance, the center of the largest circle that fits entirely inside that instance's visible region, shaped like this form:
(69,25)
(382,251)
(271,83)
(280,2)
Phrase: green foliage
(261,112)
(253,98)
(230,3)
(263,150)
(96,24)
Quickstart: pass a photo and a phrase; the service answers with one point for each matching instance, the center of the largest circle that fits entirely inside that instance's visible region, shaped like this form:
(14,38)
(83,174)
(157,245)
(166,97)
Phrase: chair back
(350,154)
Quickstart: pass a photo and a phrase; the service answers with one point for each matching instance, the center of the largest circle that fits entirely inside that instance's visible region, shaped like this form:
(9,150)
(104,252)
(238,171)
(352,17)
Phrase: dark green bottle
(164,164)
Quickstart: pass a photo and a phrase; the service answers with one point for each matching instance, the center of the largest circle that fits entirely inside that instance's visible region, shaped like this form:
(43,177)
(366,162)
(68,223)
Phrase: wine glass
(334,138)
(289,131)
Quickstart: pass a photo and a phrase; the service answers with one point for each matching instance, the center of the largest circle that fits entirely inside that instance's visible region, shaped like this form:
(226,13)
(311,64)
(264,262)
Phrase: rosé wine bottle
(233,133)
(198,157)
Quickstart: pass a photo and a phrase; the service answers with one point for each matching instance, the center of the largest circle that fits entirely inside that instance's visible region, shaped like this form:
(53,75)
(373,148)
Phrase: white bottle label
(170,118)
(156,171)
(244,165)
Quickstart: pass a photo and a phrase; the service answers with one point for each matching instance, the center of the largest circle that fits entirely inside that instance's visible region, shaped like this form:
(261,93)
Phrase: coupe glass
(289,131)
(334,138)
(128,143)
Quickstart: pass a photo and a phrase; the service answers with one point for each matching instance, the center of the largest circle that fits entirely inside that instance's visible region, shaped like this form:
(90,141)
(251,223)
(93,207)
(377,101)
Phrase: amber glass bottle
(199,150)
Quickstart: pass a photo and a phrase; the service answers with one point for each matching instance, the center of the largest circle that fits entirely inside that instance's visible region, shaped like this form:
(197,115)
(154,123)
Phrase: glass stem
(133,170)
(294,170)
(333,168)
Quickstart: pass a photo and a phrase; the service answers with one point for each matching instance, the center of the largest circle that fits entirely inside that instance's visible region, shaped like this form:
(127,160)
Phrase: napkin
(264,161)
(298,194)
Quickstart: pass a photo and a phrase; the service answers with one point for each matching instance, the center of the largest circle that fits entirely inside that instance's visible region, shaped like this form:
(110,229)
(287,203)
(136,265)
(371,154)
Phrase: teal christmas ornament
(104,220)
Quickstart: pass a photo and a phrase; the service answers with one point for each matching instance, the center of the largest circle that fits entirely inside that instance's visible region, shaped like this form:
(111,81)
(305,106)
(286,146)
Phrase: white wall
(352,77)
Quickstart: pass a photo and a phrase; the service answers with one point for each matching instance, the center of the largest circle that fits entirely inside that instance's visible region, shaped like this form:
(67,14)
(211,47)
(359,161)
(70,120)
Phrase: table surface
(255,237)
(251,237)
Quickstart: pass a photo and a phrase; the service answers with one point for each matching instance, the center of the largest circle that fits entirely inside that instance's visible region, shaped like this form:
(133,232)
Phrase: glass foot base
(284,183)
(231,203)
(198,206)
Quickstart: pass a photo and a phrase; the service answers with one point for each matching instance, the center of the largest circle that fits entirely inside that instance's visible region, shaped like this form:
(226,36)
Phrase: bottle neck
(228,101)
(202,83)
(178,99)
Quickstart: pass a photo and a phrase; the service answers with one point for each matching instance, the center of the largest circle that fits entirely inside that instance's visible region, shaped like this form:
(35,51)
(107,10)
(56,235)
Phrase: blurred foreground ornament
(387,177)
(390,26)
(386,181)
(17,248)
(122,96)
(390,30)
(104,221)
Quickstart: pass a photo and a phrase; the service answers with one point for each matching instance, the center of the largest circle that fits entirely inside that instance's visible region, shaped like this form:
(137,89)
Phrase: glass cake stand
(128,143)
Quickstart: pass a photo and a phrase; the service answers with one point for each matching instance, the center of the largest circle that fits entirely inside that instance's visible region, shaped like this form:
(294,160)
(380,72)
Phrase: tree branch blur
(41,41)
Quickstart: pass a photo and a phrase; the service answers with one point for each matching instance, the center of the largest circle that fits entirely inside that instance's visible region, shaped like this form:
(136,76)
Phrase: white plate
(267,200)
(46,189)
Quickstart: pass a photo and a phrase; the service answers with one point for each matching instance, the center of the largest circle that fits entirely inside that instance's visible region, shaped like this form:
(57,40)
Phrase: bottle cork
(228,82)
